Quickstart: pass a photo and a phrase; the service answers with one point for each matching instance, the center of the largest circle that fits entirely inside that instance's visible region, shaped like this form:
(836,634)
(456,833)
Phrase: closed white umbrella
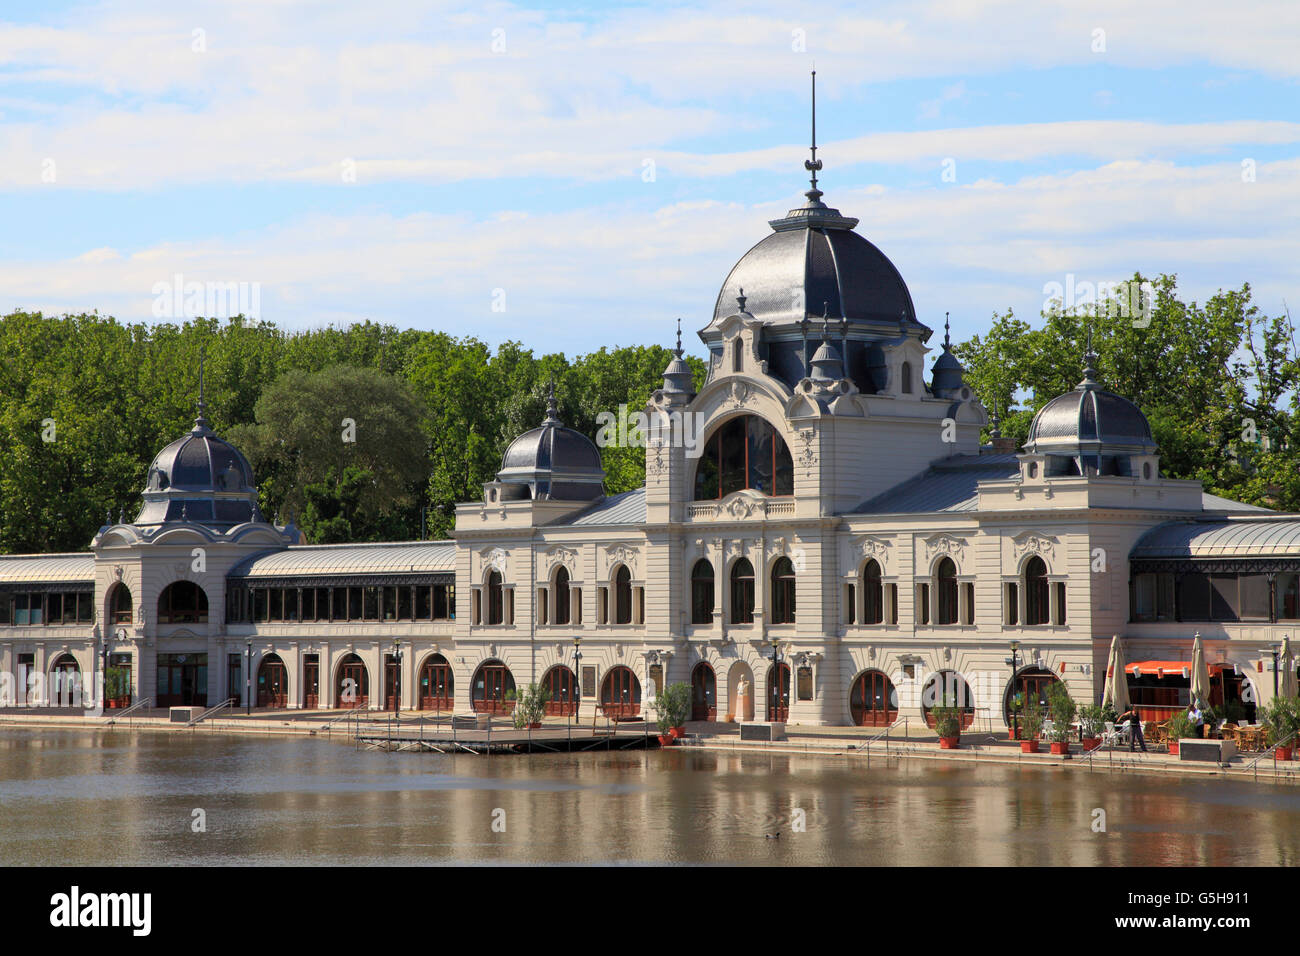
(1116,691)
(1200,673)
(1288,675)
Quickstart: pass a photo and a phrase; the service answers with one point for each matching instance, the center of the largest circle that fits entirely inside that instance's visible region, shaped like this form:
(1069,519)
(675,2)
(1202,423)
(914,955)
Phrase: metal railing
(140,704)
(228,702)
(1253,766)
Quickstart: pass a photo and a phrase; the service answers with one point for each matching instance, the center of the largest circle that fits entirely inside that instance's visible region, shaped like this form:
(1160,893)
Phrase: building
(821,539)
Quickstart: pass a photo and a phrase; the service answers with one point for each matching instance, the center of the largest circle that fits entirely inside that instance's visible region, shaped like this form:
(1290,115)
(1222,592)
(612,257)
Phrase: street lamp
(776,681)
(397,677)
(1015,713)
(577,675)
(1277,649)
(248,676)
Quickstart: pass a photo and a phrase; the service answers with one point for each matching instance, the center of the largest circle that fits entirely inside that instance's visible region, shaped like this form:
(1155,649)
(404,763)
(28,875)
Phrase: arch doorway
(704,693)
(951,688)
(873,700)
(493,689)
(740,692)
(272,682)
(65,682)
(352,690)
(1032,684)
(561,688)
(778,693)
(620,693)
(436,689)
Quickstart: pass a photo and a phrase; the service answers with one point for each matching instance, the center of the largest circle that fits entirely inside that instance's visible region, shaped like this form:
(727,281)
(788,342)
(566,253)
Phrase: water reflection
(112,798)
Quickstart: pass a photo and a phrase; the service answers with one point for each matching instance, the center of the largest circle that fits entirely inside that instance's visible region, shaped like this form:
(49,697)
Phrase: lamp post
(776,680)
(248,676)
(1277,649)
(577,676)
(397,677)
(1015,713)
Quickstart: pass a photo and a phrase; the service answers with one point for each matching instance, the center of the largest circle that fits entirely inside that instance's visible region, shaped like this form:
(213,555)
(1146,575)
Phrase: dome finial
(996,430)
(1089,364)
(740,299)
(814,165)
(678,351)
(201,422)
(947,344)
(552,409)
(826,322)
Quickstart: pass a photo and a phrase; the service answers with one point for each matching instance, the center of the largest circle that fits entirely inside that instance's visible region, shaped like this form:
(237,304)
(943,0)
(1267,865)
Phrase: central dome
(199,478)
(814,252)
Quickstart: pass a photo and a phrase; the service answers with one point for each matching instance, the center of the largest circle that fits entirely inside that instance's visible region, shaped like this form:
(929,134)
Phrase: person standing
(1134,722)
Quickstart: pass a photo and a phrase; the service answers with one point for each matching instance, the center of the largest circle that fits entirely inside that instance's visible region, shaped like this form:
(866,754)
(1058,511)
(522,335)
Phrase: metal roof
(396,557)
(1259,538)
(1214,503)
(948,486)
(47,568)
(625,508)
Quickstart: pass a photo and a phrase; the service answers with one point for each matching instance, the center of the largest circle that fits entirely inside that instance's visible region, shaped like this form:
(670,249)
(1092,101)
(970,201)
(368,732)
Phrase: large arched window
(561,612)
(493,689)
(945,584)
(783,592)
(744,452)
(352,688)
(702,592)
(873,594)
(182,602)
(620,693)
(1037,601)
(742,592)
(905,373)
(622,595)
(120,609)
(272,682)
(437,685)
(873,701)
(495,598)
(948,689)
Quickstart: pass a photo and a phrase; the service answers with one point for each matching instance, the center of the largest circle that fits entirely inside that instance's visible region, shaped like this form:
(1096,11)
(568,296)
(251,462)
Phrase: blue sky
(403,162)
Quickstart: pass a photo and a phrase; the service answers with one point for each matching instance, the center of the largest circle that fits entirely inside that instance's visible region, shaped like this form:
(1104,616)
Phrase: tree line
(87,401)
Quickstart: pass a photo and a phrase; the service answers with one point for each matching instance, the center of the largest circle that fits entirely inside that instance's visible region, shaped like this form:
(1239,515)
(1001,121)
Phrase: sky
(573,177)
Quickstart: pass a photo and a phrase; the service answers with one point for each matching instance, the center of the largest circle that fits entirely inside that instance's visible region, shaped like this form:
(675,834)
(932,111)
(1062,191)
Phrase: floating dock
(551,739)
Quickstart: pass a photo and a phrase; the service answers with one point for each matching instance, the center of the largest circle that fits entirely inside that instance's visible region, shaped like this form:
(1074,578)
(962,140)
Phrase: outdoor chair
(1048,726)
(1113,736)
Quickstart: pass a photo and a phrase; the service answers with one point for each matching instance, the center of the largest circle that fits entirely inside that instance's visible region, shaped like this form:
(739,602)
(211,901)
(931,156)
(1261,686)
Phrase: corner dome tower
(552,461)
(1090,431)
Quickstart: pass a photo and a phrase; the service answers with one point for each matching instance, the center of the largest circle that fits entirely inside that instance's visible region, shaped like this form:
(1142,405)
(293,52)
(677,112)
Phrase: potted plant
(1180,728)
(530,707)
(1092,722)
(1063,710)
(1031,725)
(1281,721)
(947,724)
(673,704)
(1016,708)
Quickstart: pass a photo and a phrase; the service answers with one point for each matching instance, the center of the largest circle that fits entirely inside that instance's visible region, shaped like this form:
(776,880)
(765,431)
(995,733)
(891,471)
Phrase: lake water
(74,797)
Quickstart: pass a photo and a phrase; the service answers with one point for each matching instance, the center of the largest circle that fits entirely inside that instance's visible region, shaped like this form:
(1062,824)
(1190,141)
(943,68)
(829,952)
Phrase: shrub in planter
(1092,722)
(673,704)
(1063,710)
(1180,727)
(1031,723)
(1281,721)
(530,707)
(947,724)
(1234,712)
(1015,707)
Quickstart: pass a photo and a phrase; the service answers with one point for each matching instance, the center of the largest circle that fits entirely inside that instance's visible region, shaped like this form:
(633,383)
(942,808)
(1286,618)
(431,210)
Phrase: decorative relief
(562,555)
(494,558)
(780,545)
(740,507)
(621,554)
(1033,542)
(740,395)
(868,546)
(944,544)
(808,453)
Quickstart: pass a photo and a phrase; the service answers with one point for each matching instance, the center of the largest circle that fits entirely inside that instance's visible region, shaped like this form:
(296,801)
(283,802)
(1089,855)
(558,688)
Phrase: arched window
(873,594)
(778,692)
(1037,602)
(1031,684)
(352,690)
(182,602)
(561,689)
(704,693)
(622,595)
(493,689)
(873,701)
(272,682)
(620,693)
(905,374)
(783,592)
(737,357)
(65,682)
(702,592)
(744,452)
(495,598)
(561,612)
(437,688)
(948,688)
(945,582)
(742,592)
(120,609)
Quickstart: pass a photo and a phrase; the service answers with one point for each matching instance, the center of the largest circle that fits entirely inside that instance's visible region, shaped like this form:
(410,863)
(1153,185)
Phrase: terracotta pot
(666,740)
(1060,748)
(1091,743)
(1173,746)
(1013,735)
(536,726)
(949,743)
(1284,753)
(677,732)
(1029,746)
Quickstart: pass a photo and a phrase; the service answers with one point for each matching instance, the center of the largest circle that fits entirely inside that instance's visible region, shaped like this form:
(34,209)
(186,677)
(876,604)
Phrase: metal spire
(1089,364)
(814,165)
(678,351)
(552,409)
(947,345)
(201,421)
